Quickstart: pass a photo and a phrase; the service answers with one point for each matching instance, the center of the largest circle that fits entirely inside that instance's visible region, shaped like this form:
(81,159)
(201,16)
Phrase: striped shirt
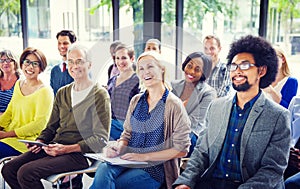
(228,163)
(5,97)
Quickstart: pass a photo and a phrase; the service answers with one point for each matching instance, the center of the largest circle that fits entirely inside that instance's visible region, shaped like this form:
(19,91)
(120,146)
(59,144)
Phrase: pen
(106,143)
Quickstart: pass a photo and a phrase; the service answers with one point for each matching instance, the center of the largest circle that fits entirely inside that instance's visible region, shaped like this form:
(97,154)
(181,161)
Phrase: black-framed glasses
(77,62)
(34,64)
(245,65)
(8,60)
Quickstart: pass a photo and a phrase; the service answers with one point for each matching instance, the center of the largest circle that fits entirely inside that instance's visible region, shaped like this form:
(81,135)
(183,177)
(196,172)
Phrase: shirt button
(232,145)
(226,175)
(240,115)
(236,130)
(229,161)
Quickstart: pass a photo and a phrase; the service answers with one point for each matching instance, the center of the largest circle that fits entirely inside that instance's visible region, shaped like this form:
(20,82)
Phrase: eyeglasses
(77,62)
(243,66)
(8,60)
(34,64)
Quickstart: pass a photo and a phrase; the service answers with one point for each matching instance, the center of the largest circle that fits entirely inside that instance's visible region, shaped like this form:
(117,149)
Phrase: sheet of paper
(115,160)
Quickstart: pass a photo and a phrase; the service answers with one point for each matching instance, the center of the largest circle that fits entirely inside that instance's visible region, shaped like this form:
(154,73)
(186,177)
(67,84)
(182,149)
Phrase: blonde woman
(285,87)
(156,130)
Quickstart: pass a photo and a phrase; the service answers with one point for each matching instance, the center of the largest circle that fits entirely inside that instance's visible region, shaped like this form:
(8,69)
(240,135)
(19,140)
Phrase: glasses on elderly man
(77,62)
(34,64)
(8,60)
(245,65)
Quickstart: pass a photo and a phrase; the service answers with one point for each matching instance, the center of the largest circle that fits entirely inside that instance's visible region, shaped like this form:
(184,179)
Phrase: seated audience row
(160,125)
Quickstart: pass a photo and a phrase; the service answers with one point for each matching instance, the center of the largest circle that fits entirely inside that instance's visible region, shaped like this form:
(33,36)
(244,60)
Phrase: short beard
(241,88)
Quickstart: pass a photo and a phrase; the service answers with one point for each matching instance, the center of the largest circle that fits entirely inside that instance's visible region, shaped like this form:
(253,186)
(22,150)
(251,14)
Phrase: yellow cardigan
(26,115)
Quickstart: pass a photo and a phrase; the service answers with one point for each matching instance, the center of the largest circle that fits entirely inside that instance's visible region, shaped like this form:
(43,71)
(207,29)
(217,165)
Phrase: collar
(164,96)
(249,103)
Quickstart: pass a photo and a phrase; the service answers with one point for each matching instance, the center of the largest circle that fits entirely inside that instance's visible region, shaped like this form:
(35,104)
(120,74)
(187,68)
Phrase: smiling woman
(9,74)
(29,109)
(194,92)
(122,88)
(156,129)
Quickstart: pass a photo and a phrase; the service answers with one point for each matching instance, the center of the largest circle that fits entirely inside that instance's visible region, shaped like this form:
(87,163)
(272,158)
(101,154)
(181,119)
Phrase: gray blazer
(198,104)
(264,145)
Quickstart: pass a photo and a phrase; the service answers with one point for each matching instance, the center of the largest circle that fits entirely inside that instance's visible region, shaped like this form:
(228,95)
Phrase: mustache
(239,76)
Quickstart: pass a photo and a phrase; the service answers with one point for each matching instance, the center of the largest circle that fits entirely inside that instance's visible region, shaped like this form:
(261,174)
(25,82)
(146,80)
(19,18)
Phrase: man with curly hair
(246,141)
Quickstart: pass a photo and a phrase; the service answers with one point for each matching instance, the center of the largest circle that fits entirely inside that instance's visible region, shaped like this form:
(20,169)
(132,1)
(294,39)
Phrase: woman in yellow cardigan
(30,107)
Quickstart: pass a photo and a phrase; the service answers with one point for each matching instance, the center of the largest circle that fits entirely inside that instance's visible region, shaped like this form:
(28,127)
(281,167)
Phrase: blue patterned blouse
(148,132)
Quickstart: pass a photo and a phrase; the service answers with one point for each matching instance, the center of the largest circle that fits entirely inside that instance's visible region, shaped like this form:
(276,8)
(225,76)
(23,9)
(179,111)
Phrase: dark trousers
(26,170)
(217,184)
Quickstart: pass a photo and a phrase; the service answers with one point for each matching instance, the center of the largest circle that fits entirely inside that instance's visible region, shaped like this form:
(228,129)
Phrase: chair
(2,162)
(57,178)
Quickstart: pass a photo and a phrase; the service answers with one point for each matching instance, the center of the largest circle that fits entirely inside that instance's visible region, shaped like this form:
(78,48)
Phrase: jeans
(112,176)
(116,129)
(7,150)
(293,182)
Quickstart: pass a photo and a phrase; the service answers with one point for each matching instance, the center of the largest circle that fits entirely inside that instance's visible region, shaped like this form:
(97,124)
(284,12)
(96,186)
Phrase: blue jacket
(59,79)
